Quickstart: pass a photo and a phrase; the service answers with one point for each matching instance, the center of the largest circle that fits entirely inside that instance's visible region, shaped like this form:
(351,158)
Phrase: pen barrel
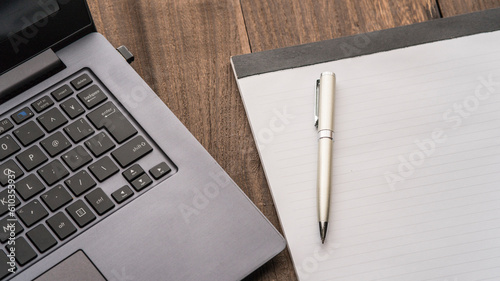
(325,147)
(326,101)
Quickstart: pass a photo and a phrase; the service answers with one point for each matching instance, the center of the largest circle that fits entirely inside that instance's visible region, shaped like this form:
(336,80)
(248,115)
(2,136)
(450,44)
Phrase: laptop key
(28,133)
(42,104)
(32,213)
(72,108)
(52,119)
(133,172)
(100,144)
(81,81)
(141,182)
(103,169)
(110,117)
(5,201)
(62,92)
(22,115)
(10,171)
(56,197)
(80,183)
(41,238)
(92,97)
(8,146)
(8,225)
(53,172)
(24,252)
(55,144)
(122,194)
(77,158)
(80,213)
(5,125)
(61,225)
(32,158)
(4,265)
(132,151)
(79,130)
(159,170)
(29,187)
(99,201)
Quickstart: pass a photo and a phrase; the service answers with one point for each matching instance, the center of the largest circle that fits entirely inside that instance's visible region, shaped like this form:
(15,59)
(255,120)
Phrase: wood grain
(279,23)
(182,50)
(455,7)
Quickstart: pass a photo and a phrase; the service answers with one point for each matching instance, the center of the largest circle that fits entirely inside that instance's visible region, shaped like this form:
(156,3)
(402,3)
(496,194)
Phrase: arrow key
(133,172)
(122,194)
(159,170)
(142,182)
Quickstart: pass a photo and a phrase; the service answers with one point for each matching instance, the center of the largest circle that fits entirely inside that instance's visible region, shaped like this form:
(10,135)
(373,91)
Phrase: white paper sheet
(416,176)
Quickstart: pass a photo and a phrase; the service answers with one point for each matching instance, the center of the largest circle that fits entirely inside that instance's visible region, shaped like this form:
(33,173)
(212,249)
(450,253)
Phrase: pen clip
(316,104)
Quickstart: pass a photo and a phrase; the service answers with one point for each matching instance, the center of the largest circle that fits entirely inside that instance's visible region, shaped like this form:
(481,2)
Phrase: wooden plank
(280,23)
(456,7)
(182,50)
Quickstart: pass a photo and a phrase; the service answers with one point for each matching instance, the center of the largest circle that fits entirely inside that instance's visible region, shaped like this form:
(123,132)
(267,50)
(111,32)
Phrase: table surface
(182,50)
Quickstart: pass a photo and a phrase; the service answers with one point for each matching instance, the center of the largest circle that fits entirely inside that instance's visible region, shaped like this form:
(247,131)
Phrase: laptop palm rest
(78,264)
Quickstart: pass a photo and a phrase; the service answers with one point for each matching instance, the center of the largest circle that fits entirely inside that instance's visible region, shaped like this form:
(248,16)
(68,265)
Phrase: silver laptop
(99,180)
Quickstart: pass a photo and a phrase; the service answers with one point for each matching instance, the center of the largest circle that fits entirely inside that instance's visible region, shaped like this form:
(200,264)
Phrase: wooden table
(182,50)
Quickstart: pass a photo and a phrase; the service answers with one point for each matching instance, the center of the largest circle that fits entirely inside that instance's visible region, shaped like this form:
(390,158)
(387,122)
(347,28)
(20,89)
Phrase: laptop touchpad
(75,267)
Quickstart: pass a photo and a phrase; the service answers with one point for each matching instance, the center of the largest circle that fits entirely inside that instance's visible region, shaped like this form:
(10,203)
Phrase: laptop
(99,180)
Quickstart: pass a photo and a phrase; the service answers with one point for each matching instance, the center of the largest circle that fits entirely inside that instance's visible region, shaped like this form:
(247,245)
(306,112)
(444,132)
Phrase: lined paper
(416,164)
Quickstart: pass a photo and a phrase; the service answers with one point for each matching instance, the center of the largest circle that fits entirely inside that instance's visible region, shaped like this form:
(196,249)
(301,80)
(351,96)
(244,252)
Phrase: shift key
(132,151)
(110,117)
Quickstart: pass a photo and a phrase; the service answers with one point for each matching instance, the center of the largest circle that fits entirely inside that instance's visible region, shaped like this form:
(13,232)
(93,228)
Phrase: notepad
(416,164)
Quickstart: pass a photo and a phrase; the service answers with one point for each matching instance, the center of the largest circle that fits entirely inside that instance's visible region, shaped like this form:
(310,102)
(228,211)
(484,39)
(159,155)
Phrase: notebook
(416,157)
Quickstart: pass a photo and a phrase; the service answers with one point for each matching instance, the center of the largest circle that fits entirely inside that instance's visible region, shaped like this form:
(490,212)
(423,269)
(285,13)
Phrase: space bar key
(132,151)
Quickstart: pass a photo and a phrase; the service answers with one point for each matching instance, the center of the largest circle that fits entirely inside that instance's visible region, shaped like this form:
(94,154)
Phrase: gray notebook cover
(366,43)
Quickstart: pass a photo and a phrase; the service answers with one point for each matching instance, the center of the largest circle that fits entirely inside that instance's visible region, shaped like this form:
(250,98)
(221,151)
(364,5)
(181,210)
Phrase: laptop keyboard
(74,157)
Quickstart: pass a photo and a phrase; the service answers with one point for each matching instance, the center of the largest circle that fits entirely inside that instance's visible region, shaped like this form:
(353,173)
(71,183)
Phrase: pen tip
(323,226)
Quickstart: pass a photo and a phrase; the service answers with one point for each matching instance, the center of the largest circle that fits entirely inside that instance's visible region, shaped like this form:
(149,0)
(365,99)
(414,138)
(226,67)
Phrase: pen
(324,113)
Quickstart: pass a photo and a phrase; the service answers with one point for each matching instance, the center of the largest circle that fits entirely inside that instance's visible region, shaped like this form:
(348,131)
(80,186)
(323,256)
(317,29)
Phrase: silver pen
(324,122)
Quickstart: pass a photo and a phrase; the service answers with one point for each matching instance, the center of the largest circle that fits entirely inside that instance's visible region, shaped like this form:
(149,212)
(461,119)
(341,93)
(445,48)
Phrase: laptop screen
(29,27)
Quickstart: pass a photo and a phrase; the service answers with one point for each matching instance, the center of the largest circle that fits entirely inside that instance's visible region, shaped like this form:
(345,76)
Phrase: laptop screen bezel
(71,22)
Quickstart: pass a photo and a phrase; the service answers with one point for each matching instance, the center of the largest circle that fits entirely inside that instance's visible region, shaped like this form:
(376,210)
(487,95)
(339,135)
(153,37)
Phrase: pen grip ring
(326,134)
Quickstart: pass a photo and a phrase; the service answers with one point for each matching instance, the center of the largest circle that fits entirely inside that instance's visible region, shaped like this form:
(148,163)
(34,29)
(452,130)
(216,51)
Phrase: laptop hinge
(29,73)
